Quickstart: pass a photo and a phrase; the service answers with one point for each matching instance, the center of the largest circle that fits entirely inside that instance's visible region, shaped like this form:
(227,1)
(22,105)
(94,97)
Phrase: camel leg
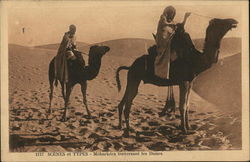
(172,103)
(84,89)
(66,102)
(63,91)
(163,112)
(120,109)
(187,106)
(132,92)
(184,87)
(51,82)
(51,95)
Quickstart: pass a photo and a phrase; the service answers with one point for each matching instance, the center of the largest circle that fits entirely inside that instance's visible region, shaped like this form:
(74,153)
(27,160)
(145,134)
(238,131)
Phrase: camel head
(219,27)
(96,52)
(216,30)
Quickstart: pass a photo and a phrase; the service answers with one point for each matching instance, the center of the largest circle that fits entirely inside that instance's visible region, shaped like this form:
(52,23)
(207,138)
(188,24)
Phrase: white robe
(61,67)
(165,32)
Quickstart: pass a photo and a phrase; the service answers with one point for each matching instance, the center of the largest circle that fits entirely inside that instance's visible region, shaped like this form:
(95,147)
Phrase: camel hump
(78,55)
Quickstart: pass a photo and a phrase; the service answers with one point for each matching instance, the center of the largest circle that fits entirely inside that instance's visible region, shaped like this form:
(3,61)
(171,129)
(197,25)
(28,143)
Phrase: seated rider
(65,52)
(165,32)
(71,46)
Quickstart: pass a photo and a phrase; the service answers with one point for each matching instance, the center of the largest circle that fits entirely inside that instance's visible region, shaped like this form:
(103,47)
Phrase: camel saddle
(181,48)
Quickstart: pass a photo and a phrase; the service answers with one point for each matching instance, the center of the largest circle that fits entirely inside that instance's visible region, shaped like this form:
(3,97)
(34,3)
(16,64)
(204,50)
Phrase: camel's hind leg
(132,87)
(120,109)
(51,82)
(66,101)
(51,95)
(63,89)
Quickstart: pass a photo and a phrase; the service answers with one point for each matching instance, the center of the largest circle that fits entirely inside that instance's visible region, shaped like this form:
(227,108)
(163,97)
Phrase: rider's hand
(187,14)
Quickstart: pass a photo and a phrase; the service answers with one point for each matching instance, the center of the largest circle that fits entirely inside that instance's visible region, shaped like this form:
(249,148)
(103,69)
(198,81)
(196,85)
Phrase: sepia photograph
(124,80)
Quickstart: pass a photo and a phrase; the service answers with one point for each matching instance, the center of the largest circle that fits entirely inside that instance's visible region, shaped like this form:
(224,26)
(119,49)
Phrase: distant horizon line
(103,41)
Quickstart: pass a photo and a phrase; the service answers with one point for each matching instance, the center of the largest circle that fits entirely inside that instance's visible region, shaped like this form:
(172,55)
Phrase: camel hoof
(161,114)
(126,134)
(189,132)
(64,119)
(89,114)
(119,126)
(49,111)
(184,131)
(86,116)
(172,117)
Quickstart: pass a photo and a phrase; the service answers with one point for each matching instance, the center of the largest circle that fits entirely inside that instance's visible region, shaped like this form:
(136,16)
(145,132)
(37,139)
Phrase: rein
(202,15)
(84,53)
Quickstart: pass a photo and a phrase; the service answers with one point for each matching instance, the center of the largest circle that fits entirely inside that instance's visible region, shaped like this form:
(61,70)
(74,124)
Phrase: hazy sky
(46,22)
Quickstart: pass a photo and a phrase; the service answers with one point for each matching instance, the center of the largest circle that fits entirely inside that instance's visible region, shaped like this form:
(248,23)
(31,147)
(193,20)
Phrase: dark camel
(78,74)
(182,71)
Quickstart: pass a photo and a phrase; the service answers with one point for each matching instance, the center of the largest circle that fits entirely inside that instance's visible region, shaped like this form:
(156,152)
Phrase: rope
(202,15)
(168,98)
(172,93)
(84,53)
(145,47)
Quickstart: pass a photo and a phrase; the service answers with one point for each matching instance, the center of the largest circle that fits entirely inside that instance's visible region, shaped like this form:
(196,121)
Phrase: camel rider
(165,31)
(65,52)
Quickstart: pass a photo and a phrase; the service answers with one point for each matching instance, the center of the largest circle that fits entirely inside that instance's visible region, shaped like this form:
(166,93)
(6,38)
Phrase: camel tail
(118,78)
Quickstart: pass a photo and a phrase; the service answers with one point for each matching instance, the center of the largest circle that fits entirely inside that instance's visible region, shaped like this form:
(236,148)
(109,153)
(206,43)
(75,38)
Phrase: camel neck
(211,49)
(204,61)
(93,68)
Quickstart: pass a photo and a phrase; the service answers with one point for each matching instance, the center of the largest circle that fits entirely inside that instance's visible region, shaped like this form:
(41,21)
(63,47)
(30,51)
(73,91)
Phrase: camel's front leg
(66,101)
(63,91)
(184,92)
(187,105)
(84,89)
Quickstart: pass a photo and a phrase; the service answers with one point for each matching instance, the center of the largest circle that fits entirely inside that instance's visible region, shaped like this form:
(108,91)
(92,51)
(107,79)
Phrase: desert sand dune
(36,130)
(137,46)
(56,46)
(221,84)
(229,46)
